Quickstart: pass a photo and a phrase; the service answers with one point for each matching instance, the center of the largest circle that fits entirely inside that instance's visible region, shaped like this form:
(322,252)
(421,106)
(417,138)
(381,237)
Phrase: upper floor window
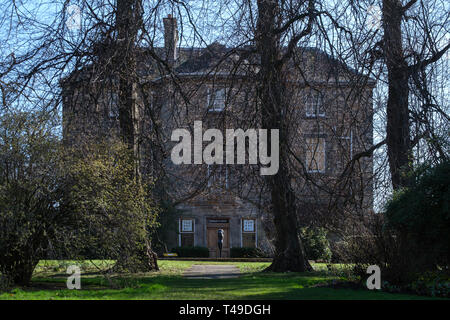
(217,175)
(216,99)
(113,105)
(314,104)
(315,154)
(345,150)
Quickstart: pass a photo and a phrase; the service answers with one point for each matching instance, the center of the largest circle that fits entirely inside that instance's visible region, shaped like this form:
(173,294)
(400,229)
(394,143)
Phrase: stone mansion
(331,113)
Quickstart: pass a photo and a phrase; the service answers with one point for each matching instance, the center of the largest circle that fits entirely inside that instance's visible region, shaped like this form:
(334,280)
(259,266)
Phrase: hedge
(191,252)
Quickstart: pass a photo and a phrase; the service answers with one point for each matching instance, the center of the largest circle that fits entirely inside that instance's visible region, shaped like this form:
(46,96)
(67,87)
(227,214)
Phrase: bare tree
(400,72)
(289,251)
(116,55)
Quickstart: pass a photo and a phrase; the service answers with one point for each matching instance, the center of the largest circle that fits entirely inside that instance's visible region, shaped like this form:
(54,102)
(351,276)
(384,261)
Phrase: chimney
(170,39)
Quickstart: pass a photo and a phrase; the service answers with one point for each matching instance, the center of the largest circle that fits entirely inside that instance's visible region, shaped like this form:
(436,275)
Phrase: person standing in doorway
(220,241)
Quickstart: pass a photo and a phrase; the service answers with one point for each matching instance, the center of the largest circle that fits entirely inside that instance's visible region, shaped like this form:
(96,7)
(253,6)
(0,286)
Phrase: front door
(212,242)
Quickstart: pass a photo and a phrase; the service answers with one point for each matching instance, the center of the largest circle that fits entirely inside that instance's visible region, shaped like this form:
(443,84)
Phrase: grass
(50,279)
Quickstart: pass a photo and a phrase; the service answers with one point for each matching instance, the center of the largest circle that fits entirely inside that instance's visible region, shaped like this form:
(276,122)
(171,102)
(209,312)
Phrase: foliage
(29,195)
(61,202)
(316,243)
(246,252)
(167,226)
(433,284)
(113,209)
(192,252)
(411,239)
(420,215)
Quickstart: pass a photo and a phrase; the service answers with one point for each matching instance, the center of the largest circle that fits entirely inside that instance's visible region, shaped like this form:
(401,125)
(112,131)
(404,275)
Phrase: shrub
(191,252)
(410,241)
(339,251)
(246,252)
(29,215)
(428,284)
(316,243)
(57,201)
(412,237)
(167,222)
(420,217)
(113,211)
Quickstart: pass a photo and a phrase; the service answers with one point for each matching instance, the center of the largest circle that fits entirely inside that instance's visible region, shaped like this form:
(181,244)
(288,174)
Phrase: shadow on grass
(255,286)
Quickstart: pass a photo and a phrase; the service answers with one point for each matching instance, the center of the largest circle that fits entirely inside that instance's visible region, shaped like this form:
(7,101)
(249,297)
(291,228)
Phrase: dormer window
(216,99)
(314,105)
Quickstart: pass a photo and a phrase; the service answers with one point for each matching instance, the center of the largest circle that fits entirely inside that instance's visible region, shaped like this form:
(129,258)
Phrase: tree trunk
(18,269)
(138,259)
(397,126)
(23,272)
(127,28)
(128,23)
(289,251)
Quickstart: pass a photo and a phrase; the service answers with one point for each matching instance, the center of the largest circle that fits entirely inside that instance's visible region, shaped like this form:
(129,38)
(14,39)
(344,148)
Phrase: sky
(23,26)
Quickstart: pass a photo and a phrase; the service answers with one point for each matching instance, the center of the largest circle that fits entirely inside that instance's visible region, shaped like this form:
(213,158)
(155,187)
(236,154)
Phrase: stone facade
(212,85)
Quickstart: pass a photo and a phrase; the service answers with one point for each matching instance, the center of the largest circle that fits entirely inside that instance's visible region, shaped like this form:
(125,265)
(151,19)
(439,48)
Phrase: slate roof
(219,60)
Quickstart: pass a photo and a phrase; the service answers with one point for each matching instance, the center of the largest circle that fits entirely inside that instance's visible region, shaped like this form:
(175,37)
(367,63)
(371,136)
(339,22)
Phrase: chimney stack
(170,39)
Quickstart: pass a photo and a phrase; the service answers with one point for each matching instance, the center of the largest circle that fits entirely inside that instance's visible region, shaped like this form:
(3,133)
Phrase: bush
(410,241)
(64,202)
(246,252)
(191,252)
(339,251)
(113,211)
(433,284)
(29,215)
(316,243)
(167,222)
(420,217)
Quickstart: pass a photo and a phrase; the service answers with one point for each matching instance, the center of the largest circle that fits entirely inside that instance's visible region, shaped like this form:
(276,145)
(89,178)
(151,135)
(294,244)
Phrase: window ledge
(319,116)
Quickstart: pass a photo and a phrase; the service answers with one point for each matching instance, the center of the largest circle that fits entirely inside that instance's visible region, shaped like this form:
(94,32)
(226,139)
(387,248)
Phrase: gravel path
(212,271)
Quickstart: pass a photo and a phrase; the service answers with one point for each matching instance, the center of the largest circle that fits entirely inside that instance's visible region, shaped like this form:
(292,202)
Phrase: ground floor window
(187,229)
(249,233)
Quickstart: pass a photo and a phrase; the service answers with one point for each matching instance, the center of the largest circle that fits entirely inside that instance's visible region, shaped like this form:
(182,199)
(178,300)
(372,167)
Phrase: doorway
(213,226)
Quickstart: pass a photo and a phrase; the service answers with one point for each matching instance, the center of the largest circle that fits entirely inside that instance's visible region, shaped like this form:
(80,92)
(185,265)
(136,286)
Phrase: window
(186,225)
(315,154)
(314,105)
(345,151)
(113,105)
(249,225)
(248,233)
(187,228)
(216,99)
(217,175)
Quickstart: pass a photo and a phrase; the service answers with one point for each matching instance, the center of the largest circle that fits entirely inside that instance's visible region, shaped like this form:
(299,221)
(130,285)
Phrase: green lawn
(49,283)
